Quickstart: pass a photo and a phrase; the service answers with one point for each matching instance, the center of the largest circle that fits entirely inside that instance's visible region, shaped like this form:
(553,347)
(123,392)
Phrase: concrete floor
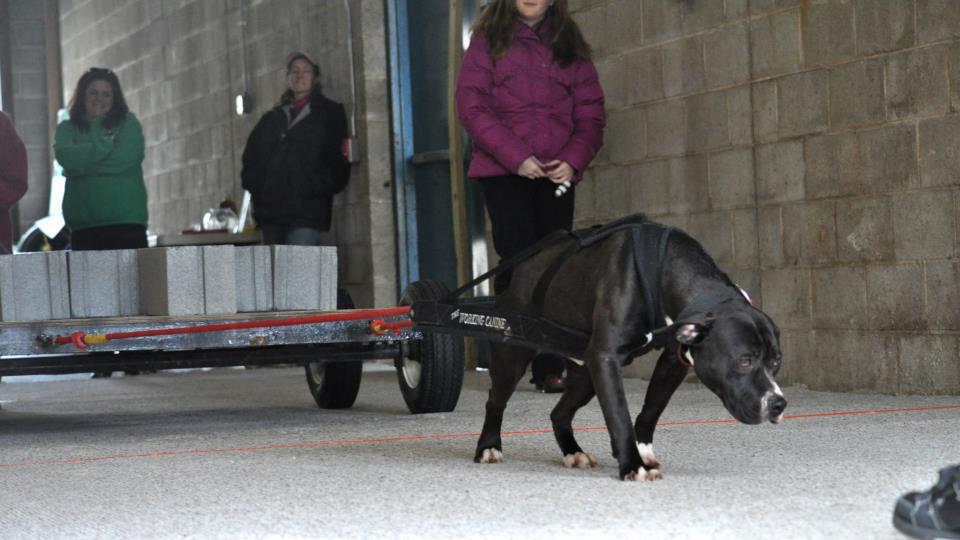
(246,454)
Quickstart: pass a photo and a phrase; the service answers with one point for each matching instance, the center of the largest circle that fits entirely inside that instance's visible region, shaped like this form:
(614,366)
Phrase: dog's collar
(684,356)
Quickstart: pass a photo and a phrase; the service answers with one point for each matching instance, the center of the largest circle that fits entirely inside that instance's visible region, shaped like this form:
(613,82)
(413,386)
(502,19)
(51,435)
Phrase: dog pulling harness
(479,316)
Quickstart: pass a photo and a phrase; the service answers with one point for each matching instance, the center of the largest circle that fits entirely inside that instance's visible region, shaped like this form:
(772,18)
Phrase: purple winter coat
(526,105)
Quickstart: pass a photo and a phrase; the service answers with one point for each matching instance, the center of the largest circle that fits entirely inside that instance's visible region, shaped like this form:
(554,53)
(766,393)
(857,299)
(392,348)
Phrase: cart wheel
(430,369)
(335,385)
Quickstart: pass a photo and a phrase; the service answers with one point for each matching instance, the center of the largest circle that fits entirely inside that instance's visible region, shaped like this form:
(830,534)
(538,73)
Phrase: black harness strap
(530,251)
(584,238)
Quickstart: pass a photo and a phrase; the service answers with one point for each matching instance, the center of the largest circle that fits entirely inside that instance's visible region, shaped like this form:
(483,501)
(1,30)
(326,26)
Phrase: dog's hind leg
(507,366)
(667,376)
(577,393)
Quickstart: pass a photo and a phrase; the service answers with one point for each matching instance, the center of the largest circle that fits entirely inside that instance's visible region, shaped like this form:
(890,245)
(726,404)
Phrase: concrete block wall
(180,66)
(28,58)
(813,147)
(34,287)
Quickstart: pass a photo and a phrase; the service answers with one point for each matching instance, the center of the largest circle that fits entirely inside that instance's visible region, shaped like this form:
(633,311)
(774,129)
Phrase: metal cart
(330,345)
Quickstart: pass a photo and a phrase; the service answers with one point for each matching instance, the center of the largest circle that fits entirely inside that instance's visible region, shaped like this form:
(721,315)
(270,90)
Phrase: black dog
(733,347)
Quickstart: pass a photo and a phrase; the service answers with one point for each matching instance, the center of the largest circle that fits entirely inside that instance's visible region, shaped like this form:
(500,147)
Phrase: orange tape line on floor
(292,446)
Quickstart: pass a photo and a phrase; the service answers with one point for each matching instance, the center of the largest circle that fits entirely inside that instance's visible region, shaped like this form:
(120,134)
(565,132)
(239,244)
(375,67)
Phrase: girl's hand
(531,168)
(560,171)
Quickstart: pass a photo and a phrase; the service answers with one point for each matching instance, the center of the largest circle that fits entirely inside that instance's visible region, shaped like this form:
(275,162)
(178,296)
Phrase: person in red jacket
(13,178)
(530,99)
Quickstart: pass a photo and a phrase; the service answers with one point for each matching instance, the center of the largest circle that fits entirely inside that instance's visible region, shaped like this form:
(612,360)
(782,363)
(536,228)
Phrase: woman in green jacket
(101,150)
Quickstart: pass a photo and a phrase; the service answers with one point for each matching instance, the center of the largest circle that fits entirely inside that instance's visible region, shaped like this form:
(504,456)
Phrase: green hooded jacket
(104,174)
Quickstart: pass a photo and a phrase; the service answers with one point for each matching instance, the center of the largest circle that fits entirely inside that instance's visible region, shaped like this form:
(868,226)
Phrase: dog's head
(735,350)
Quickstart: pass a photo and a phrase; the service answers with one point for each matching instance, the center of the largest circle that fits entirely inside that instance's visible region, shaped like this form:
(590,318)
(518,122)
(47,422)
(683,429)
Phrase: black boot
(934,513)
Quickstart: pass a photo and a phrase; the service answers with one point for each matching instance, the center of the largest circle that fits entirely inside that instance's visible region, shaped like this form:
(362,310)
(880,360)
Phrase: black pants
(522,211)
(126,236)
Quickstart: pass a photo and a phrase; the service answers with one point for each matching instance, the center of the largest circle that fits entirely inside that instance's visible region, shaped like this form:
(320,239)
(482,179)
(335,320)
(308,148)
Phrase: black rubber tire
(431,369)
(335,385)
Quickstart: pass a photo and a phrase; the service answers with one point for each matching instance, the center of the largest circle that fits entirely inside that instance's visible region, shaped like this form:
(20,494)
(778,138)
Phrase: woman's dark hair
(78,111)
(498,20)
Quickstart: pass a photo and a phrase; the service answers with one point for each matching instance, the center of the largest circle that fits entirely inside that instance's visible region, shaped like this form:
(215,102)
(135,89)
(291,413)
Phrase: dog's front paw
(648,475)
(646,455)
(491,455)
(579,460)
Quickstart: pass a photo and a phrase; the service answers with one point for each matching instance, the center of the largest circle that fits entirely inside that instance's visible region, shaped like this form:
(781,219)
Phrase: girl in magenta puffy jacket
(529,97)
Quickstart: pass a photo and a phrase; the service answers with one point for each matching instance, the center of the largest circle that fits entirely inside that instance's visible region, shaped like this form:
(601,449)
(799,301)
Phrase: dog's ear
(693,329)
(691,333)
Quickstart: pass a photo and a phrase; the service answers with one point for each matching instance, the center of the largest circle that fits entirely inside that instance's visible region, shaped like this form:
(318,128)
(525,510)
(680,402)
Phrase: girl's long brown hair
(498,19)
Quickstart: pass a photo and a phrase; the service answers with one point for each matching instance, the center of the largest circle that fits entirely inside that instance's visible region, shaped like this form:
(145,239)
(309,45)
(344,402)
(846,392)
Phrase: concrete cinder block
(745,254)
(828,36)
(649,188)
(683,67)
(884,26)
(770,233)
(304,277)
(928,365)
(707,127)
(689,187)
(765,109)
(34,287)
(731,178)
(802,103)
(954,61)
(219,280)
(254,277)
(625,135)
(865,230)
(643,76)
(942,290)
(810,233)
(714,230)
(924,226)
(739,116)
(916,83)
(838,365)
(666,128)
(939,152)
(895,297)
(839,298)
(937,20)
(832,166)
(786,296)
(856,94)
(104,283)
(727,57)
(171,280)
(780,172)
(661,21)
(775,43)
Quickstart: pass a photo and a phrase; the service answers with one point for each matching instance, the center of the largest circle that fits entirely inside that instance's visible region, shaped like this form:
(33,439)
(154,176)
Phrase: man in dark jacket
(293,162)
(13,178)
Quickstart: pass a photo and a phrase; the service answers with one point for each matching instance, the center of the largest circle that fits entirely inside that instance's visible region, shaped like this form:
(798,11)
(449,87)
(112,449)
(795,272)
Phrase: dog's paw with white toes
(491,455)
(653,475)
(579,460)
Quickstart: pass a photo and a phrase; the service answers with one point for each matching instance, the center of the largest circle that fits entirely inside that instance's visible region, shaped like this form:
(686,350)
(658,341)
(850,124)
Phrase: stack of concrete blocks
(304,277)
(34,287)
(188,280)
(104,283)
(254,277)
